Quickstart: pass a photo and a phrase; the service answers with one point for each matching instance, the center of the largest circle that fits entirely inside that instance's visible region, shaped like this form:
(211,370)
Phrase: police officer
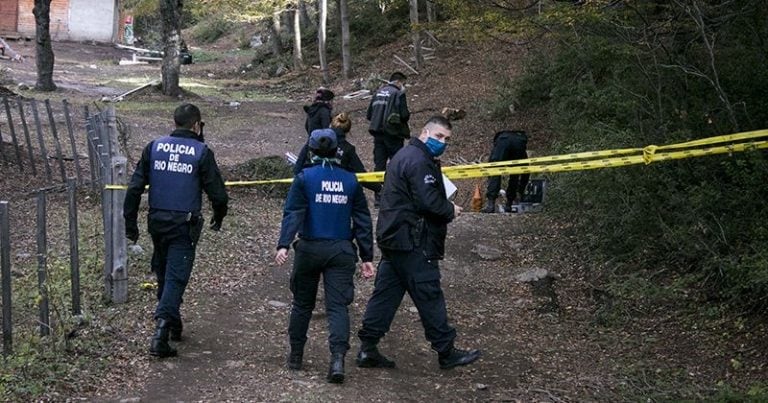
(388,115)
(507,145)
(177,168)
(413,217)
(327,208)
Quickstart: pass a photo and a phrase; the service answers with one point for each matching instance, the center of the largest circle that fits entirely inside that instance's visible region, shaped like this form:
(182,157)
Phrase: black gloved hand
(216,223)
(132,231)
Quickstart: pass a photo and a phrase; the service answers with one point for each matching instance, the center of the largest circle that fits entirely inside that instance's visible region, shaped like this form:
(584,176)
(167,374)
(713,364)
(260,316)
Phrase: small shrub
(212,28)
(266,168)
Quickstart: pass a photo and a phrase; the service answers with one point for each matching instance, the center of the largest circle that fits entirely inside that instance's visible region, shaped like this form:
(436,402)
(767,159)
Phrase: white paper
(450,188)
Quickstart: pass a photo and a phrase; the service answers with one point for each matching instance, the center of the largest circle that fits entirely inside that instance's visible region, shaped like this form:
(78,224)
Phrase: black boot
(455,357)
(370,357)
(336,371)
(159,346)
(490,206)
(175,331)
(295,357)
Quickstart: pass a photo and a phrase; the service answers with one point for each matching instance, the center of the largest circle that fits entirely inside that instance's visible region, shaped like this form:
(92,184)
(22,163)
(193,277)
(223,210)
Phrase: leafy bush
(212,28)
(608,86)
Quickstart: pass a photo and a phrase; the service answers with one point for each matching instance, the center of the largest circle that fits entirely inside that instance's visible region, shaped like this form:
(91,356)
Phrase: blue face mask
(435,147)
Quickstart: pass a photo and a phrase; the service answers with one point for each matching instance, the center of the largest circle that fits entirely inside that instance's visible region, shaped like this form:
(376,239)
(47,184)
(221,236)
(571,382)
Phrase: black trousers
(385,147)
(409,271)
(174,242)
(507,147)
(335,261)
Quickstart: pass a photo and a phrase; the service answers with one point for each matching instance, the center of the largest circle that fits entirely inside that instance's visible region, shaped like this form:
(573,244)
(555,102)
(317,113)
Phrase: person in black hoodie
(319,113)
(346,153)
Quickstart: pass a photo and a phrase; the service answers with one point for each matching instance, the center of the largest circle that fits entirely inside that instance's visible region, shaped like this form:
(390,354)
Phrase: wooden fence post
(71,131)
(56,142)
(90,130)
(120,257)
(13,134)
(24,126)
(5,272)
(2,152)
(106,206)
(42,254)
(74,252)
(43,149)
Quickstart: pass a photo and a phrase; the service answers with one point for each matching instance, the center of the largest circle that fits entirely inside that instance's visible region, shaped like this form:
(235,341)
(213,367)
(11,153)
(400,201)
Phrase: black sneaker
(455,357)
(373,359)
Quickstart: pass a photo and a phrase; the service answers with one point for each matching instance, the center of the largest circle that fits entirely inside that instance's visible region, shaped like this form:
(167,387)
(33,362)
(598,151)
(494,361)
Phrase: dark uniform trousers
(507,147)
(385,146)
(335,261)
(172,259)
(398,272)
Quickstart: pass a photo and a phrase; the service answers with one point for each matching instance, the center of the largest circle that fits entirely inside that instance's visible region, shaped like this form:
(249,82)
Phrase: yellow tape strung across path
(576,162)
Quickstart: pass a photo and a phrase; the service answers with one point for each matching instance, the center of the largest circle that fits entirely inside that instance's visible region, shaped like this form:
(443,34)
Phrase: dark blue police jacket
(330,192)
(174,182)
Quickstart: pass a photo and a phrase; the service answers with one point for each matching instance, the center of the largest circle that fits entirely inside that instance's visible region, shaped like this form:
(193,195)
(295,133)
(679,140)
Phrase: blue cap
(323,140)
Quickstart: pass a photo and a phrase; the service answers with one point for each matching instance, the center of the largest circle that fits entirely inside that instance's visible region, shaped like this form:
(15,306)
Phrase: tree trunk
(431,12)
(170,11)
(346,55)
(298,59)
(321,31)
(286,20)
(416,34)
(303,13)
(43,47)
(277,45)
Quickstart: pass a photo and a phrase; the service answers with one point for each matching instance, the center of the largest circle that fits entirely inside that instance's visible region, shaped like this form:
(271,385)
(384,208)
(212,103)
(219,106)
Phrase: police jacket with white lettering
(389,100)
(414,211)
(177,169)
(326,202)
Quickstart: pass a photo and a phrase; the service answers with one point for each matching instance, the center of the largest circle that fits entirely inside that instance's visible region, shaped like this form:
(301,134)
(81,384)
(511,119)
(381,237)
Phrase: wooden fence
(112,168)
(106,164)
(36,144)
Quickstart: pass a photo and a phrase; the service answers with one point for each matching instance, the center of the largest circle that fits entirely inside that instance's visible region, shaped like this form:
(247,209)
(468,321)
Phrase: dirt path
(560,340)
(236,341)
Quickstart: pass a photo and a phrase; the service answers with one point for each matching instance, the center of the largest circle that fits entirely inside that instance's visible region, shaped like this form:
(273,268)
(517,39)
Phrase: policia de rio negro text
(177,168)
(327,208)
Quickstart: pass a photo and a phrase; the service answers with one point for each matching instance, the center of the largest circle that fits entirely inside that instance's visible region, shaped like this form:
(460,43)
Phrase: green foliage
(370,28)
(44,368)
(756,393)
(212,28)
(263,169)
(629,77)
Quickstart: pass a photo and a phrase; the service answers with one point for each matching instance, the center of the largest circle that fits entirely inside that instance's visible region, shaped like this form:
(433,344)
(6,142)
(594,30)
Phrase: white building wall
(93,20)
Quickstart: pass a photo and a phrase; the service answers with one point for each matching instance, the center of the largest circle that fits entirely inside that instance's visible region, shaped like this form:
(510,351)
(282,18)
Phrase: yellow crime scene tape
(576,161)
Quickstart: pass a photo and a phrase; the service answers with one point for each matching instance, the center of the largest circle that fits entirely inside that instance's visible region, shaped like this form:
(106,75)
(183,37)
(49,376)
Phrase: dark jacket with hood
(347,155)
(388,112)
(318,116)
